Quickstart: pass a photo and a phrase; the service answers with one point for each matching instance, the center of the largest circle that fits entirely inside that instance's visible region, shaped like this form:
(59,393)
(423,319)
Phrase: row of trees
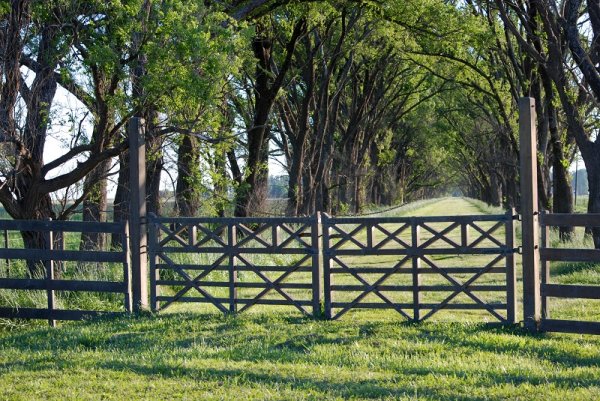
(362,102)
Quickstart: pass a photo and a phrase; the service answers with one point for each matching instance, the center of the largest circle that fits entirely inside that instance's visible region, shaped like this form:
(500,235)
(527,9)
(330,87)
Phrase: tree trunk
(121,201)
(95,205)
(187,200)
(592,165)
(252,194)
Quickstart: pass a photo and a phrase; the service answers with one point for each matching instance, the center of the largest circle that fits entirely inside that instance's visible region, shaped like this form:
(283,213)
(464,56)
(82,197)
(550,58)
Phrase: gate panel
(419,266)
(235,263)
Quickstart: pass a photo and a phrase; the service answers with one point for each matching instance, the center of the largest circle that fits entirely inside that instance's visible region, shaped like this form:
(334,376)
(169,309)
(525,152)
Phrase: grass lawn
(270,354)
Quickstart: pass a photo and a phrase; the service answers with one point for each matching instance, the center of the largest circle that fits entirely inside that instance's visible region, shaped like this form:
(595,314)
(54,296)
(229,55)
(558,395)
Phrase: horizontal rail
(422,270)
(304,269)
(54,314)
(416,220)
(570,326)
(571,291)
(224,221)
(570,219)
(61,225)
(382,305)
(418,252)
(227,250)
(226,284)
(241,301)
(433,288)
(60,255)
(62,285)
(570,255)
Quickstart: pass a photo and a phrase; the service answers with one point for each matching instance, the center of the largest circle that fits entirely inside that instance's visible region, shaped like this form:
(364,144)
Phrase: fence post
(49,264)
(530,213)
(511,267)
(137,213)
(231,242)
(317,263)
(416,264)
(326,266)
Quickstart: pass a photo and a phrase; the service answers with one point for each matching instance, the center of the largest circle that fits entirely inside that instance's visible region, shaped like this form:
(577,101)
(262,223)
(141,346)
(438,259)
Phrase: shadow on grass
(290,341)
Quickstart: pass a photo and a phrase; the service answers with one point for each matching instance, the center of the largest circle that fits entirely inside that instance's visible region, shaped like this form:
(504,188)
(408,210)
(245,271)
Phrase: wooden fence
(54,255)
(566,291)
(201,260)
(405,250)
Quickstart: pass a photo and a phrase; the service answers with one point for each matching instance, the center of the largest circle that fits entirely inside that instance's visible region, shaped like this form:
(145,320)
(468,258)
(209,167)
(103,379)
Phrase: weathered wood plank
(237,251)
(571,291)
(530,212)
(226,284)
(59,255)
(570,219)
(241,301)
(382,305)
(570,255)
(231,220)
(62,285)
(305,269)
(432,288)
(422,270)
(420,251)
(418,220)
(570,326)
(511,267)
(61,225)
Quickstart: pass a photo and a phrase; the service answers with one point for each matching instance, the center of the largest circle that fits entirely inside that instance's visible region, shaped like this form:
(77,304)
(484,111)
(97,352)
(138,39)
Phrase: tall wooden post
(530,213)
(137,214)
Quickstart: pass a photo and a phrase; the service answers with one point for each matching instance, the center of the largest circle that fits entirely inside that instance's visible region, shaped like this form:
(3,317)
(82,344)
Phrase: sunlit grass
(193,352)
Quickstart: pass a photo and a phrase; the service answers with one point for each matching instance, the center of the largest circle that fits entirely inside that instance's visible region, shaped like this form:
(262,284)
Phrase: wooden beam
(530,213)
(137,214)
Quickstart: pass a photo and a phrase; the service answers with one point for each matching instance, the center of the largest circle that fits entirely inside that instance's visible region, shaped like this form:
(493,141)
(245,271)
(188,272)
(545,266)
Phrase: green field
(268,354)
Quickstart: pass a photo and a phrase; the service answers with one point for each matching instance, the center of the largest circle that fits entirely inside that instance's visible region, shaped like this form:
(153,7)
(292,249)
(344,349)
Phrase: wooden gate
(565,292)
(410,265)
(235,263)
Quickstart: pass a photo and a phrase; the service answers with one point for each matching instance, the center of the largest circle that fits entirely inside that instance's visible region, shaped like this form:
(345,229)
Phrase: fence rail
(49,257)
(566,291)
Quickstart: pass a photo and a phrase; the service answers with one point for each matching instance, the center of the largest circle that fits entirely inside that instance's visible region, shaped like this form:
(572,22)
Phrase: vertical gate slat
(49,264)
(544,264)
(317,265)
(327,279)
(127,268)
(153,242)
(233,249)
(511,268)
(416,264)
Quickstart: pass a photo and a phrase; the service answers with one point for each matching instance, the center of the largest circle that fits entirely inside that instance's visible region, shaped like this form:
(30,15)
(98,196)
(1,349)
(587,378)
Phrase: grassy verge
(270,356)
(274,354)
